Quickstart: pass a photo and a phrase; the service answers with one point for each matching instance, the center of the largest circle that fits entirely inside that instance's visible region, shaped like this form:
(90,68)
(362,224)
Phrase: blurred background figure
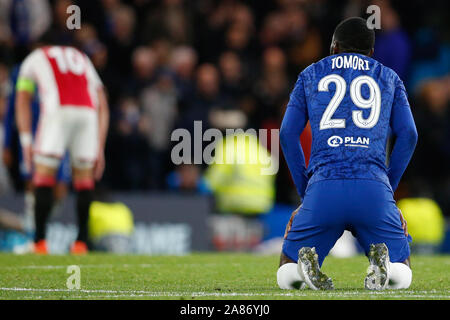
(425,222)
(241,190)
(110,224)
(392,46)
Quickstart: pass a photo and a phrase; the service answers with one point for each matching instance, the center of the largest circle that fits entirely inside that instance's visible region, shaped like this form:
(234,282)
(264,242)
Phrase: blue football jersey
(348,99)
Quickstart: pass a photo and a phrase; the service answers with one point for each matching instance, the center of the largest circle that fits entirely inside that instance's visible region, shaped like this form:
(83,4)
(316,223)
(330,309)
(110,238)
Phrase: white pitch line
(141,293)
(83,266)
(126,265)
(238,295)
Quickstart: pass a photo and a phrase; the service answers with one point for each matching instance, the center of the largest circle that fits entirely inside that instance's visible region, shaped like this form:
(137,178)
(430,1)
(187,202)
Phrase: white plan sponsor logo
(336,141)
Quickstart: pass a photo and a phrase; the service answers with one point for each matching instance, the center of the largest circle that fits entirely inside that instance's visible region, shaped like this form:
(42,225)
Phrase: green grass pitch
(201,277)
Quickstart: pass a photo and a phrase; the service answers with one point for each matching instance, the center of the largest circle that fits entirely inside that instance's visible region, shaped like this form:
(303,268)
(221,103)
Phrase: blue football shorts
(366,208)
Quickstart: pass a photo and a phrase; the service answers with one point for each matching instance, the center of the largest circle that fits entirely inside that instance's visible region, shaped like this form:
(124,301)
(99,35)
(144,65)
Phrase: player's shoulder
(34,53)
(308,71)
(31,62)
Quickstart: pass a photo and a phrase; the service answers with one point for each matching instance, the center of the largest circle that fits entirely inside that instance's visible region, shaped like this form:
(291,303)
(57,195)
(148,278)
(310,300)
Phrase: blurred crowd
(166,63)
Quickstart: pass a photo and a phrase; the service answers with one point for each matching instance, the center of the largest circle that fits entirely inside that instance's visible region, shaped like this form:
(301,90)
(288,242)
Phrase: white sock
(28,218)
(400,276)
(288,277)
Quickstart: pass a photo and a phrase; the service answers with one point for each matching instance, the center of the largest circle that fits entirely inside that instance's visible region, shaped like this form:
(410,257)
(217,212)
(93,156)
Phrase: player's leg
(83,182)
(44,182)
(288,275)
(379,230)
(27,178)
(315,230)
(83,151)
(49,144)
(63,181)
(383,274)
(400,275)
(306,270)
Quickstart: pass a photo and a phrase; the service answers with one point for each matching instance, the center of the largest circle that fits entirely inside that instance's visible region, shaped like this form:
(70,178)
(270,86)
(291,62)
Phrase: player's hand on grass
(404,223)
(289,225)
(99,166)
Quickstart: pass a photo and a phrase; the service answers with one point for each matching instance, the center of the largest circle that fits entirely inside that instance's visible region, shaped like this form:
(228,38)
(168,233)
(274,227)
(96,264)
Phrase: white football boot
(308,266)
(378,272)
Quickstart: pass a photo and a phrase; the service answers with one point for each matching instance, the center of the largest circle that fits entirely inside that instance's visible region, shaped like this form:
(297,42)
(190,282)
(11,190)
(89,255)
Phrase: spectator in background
(304,40)
(241,191)
(163,48)
(183,61)
(122,40)
(144,64)
(23,22)
(170,20)
(59,33)
(5,183)
(207,96)
(234,81)
(187,178)
(274,61)
(272,89)
(159,111)
(431,58)
(236,176)
(128,148)
(392,48)
(432,156)
(240,35)
(98,53)
(274,29)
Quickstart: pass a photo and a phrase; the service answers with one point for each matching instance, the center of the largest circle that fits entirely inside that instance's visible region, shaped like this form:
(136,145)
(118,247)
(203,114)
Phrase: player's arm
(25,87)
(405,132)
(103,118)
(9,125)
(294,122)
(103,124)
(24,96)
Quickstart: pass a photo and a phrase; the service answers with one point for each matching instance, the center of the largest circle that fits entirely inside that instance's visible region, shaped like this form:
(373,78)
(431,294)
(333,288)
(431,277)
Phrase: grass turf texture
(201,277)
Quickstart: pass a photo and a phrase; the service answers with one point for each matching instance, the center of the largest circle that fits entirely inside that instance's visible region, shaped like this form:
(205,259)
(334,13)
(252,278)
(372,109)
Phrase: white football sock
(288,276)
(28,218)
(400,276)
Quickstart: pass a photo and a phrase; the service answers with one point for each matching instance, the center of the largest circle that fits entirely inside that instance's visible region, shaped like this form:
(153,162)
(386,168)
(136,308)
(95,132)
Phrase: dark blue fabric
(393,49)
(364,207)
(20,21)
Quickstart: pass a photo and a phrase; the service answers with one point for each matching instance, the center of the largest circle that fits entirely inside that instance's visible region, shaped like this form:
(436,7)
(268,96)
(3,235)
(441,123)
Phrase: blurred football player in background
(348,184)
(11,153)
(74,117)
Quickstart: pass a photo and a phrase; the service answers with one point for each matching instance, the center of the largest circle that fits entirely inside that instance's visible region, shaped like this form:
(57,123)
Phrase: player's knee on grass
(400,276)
(288,277)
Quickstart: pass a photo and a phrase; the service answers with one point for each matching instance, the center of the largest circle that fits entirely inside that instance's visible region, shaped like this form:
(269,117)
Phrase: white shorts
(73,129)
